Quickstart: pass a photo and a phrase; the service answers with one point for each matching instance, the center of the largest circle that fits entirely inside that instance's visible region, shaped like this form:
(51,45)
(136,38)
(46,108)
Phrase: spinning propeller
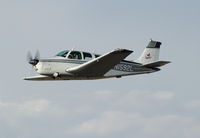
(31,60)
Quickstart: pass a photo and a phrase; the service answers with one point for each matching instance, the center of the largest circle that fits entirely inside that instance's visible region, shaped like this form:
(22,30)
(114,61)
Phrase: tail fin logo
(148,56)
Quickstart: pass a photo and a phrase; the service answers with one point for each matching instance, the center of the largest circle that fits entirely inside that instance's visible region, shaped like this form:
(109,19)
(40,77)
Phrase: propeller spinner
(31,60)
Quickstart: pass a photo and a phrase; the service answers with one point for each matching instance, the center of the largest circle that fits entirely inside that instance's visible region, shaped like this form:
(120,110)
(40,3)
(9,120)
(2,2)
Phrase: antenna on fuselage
(75,45)
(72,49)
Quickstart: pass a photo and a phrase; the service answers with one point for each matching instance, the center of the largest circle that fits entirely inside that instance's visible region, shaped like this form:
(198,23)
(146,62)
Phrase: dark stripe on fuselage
(63,61)
(80,61)
(132,62)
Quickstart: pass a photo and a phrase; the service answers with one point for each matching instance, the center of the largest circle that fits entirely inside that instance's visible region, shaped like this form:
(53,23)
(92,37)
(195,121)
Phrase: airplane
(79,65)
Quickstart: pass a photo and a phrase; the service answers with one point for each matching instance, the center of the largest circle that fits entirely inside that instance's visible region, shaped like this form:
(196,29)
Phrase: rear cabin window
(75,55)
(96,56)
(87,56)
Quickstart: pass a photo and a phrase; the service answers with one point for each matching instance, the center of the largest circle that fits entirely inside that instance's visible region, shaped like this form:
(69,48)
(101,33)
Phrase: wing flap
(99,66)
(156,64)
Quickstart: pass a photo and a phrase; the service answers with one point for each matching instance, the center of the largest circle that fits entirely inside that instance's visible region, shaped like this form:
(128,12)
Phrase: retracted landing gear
(56,75)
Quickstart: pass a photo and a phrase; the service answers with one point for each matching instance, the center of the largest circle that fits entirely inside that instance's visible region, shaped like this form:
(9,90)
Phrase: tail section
(151,53)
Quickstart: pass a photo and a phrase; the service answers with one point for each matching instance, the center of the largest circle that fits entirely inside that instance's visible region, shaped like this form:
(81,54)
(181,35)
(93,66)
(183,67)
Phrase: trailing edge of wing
(156,64)
(99,66)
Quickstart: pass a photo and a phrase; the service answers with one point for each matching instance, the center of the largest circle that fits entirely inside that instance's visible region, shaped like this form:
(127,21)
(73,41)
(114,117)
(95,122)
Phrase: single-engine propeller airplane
(78,65)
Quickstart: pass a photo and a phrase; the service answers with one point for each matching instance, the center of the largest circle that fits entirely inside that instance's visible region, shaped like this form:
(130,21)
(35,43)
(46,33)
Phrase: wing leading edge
(99,66)
(39,78)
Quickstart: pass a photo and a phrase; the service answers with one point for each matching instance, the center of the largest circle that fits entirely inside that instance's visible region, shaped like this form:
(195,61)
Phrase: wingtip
(123,50)
(168,62)
(25,78)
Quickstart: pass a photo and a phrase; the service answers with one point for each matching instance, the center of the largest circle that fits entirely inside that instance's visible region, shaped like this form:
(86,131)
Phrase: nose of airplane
(33,62)
(38,67)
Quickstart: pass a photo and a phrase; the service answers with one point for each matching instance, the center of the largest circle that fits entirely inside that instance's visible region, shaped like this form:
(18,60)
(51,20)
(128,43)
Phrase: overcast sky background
(163,104)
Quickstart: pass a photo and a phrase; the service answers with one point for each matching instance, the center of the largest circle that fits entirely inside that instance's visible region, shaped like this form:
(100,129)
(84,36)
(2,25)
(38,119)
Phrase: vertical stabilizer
(150,53)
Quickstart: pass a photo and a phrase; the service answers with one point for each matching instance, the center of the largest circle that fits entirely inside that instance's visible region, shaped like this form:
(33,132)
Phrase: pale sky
(163,104)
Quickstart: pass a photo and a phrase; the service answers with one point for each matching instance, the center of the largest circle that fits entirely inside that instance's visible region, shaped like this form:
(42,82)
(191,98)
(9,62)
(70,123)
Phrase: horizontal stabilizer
(156,64)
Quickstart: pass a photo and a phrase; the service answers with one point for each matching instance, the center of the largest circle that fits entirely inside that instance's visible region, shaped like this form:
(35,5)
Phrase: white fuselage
(59,65)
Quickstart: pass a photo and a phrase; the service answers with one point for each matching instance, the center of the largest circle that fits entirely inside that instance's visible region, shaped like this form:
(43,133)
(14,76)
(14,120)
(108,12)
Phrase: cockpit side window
(87,56)
(62,53)
(75,55)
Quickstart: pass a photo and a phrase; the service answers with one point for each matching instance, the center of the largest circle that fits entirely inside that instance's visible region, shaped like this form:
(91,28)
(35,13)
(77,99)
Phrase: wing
(99,66)
(156,64)
(39,78)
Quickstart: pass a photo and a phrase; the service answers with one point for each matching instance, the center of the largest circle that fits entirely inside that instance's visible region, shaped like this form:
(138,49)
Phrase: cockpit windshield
(62,53)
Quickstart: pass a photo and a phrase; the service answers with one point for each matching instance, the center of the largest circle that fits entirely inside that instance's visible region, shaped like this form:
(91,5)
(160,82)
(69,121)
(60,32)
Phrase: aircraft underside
(67,77)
